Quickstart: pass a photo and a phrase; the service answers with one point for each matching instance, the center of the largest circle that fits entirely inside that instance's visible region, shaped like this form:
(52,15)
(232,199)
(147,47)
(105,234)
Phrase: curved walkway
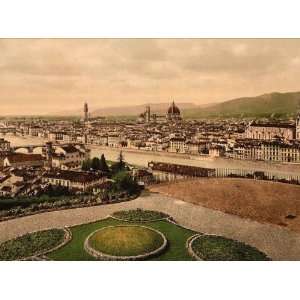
(277,242)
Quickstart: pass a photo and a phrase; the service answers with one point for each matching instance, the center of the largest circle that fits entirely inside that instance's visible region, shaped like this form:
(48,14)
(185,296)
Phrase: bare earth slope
(263,201)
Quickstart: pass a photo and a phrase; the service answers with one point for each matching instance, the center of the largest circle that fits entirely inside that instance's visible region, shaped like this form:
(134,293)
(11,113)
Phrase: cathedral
(173,114)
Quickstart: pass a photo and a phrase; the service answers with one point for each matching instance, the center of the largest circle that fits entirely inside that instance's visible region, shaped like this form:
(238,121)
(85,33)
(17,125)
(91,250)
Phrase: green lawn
(175,235)
(125,240)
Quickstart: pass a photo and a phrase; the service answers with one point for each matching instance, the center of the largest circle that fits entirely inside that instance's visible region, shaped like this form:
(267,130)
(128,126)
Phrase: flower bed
(139,215)
(31,244)
(212,247)
(62,204)
(125,242)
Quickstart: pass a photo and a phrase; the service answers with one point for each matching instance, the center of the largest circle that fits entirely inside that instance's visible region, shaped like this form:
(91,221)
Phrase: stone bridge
(36,148)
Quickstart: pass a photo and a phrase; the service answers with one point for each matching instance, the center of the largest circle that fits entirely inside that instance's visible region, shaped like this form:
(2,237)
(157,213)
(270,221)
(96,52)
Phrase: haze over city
(41,76)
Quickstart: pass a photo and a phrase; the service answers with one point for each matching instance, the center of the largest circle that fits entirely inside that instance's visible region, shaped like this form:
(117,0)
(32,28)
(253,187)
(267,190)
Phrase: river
(141,158)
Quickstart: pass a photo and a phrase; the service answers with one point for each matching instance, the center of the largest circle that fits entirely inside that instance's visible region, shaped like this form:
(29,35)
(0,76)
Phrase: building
(56,136)
(298,127)
(146,116)
(274,151)
(271,131)
(169,172)
(216,151)
(196,148)
(68,157)
(177,145)
(113,140)
(73,180)
(4,145)
(173,113)
(20,160)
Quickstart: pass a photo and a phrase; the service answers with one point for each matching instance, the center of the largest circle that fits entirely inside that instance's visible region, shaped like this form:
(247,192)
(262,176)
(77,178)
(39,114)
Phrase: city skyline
(41,76)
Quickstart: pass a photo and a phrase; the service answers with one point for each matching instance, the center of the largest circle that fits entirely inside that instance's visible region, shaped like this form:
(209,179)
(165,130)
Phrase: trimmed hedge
(30,244)
(139,215)
(211,247)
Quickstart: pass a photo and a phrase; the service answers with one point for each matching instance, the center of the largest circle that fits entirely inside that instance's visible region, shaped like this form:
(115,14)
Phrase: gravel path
(277,242)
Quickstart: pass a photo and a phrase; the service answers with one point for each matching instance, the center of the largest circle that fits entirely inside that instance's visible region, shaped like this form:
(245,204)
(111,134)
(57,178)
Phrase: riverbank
(142,157)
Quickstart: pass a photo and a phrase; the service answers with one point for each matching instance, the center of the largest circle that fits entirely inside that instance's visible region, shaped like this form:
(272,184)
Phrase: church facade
(271,131)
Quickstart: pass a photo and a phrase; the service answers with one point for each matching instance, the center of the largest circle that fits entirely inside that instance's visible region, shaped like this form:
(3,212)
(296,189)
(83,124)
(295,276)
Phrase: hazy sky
(52,75)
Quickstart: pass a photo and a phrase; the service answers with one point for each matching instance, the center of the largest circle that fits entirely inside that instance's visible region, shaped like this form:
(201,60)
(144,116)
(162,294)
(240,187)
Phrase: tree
(123,181)
(103,165)
(86,165)
(95,164)
(120,165)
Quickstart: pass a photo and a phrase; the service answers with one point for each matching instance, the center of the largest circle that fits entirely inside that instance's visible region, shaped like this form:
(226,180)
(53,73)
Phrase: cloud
(41,74)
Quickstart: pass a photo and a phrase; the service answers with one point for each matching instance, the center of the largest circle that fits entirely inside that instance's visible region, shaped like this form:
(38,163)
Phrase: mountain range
(266,105)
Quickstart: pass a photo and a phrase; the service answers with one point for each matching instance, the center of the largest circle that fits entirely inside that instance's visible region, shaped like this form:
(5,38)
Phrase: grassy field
(262,201)
(31,243)
(125,240)
(219,248)
(176,236)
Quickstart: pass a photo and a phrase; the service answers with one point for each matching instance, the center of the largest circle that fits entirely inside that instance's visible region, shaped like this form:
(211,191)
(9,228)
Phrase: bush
(123,181)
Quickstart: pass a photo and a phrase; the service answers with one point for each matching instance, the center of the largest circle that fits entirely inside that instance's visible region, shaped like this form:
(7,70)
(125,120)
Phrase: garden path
(277,242)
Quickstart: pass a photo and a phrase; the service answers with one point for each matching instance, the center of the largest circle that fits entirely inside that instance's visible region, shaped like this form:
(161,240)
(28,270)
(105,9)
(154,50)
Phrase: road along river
(141,158)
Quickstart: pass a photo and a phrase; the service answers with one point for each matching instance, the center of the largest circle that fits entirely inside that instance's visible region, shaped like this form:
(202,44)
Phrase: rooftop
(74,176)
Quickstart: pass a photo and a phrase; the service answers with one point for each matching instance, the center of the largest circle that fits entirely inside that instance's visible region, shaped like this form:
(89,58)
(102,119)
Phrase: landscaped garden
(31,244)
(149,231)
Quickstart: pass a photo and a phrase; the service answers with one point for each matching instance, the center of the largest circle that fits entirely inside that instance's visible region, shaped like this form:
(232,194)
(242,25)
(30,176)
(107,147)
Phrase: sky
(42,76)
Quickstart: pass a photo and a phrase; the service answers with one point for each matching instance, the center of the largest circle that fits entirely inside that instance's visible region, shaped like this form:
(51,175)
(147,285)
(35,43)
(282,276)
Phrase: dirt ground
(263,201)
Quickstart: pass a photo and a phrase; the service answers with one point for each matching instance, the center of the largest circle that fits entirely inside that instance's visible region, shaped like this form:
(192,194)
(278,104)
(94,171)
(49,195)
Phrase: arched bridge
(37,148)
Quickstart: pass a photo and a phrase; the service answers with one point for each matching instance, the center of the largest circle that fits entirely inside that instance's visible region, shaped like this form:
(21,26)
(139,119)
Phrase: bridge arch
(22,150)
(37,150)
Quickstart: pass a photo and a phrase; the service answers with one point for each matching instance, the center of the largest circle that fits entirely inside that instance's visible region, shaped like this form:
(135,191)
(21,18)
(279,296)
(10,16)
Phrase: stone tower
(148,114)
(298,127)
(49,153)
(86,112)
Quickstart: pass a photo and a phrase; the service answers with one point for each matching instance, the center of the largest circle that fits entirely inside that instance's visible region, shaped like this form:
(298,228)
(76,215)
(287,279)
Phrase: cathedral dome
(173,109)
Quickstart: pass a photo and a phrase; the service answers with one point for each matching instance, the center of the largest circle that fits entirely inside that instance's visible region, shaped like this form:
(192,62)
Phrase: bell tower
(86,112)
(298,126)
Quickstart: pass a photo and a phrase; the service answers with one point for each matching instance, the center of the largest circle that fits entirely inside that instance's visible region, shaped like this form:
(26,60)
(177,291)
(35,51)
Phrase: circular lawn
(125,242)
(211,247)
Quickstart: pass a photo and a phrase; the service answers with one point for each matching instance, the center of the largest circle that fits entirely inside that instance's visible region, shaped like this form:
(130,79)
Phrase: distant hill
(130,110)
(135,110)
(276,104)
(272,104)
